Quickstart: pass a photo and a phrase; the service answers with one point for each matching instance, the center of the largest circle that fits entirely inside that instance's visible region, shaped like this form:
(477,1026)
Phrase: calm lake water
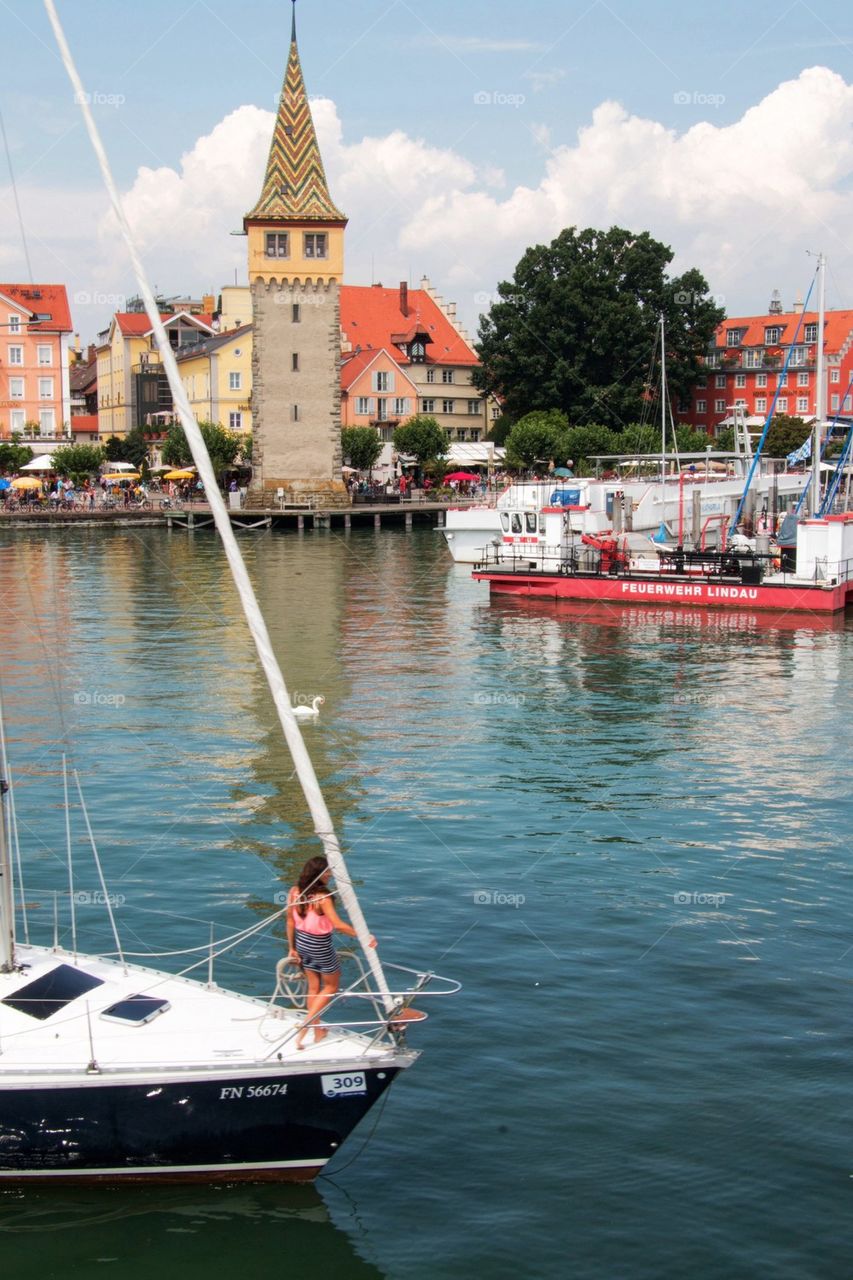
(625,832)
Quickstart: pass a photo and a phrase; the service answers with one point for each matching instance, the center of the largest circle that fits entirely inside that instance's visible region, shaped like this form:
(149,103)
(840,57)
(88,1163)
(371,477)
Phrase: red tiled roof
(371,314)
(82,376)
(838,327)
(47,299)
(84,424)
(135,324)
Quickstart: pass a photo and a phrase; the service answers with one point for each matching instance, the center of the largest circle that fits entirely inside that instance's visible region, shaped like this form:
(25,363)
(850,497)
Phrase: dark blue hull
(284,1126)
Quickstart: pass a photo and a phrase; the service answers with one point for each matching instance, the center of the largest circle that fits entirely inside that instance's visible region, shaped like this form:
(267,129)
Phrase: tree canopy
(77,460)
(537,438)
(575,328)
(222,445)
(423,438)
(14,456)
(361,447)
(786,434)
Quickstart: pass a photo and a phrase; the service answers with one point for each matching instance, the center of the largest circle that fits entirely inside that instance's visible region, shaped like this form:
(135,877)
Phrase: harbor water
(625,831)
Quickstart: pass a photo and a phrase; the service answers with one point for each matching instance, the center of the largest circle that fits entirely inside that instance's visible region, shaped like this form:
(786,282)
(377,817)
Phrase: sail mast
(662,414)
(820,398)
(7,910)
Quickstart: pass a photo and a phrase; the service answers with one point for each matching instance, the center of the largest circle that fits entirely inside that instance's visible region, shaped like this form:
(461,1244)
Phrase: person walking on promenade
(311,921)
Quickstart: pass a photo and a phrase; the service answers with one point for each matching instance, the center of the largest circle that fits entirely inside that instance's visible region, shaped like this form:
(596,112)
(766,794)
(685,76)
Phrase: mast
(7,913)
(662,415)
(820,398)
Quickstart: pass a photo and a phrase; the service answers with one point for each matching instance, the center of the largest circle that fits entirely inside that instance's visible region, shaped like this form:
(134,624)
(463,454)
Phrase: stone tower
(296,264)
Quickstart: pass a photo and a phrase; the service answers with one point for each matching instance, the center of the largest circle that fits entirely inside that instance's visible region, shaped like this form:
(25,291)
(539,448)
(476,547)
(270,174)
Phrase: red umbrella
(462,475)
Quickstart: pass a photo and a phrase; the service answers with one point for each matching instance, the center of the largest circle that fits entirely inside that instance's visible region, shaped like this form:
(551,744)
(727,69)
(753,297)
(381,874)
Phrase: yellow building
(132,386)
(217,377)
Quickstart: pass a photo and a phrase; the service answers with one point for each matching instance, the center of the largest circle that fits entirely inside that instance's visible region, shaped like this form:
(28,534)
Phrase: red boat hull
(788,598)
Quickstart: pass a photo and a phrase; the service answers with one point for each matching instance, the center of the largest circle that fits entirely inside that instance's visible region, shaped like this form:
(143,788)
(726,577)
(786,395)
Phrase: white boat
(111,1069)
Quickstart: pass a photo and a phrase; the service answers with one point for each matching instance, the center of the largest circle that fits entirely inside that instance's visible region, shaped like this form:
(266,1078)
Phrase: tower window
(296,315)
(294,413)
(294,362)
(316,244)
(417,353)
(278,244)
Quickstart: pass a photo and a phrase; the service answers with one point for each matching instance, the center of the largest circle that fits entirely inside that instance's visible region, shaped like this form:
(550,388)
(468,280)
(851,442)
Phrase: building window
(802,404)
(761,404)
(428,406)
(294,413)
(417,353)
(45,388)
(316,244)
(719,380)
(734,337)
(362,405)
(447,406)
(447,375)
(382,409)
(14,324)
(235,381)
(740,379)
(701,406)
(402,407)
(430,375)
(296,314)
(772,334)
(847,405)
(16,388)
(47,421)
(16,355)
(798,355)
(701,383)
(496,412)
(782,404)
(834,375)
(294,362)
(475,435)
(719,406)
(802,379)
(740,404)
(473,406)
(761,379)
(381,381)
(752,359)
(45,354)
(835,401)
(810,333)
(235,421)
(783,379)
(17,420)
(277,244)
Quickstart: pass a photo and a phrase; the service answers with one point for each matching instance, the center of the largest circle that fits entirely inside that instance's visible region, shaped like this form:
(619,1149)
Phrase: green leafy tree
(538,437)
(576,327)
(14,456)
(582,443)
(423,438)
(361,447)
(78,460)
(115,449)
(786,434)
(135,447)
(222,445)
(500,429)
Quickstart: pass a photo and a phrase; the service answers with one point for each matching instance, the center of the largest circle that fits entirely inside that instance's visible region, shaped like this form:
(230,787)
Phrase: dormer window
(772,334)
(277,244)
(810,333)
(316,244)
(734,337)
(417,352)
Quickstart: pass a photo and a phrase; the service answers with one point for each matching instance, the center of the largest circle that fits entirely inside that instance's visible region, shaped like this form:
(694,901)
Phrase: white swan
(312,712)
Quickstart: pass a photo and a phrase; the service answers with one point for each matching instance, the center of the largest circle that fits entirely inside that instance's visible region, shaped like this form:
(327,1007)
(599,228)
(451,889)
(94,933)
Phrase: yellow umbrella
(179,475)
(26,482)
(122,475)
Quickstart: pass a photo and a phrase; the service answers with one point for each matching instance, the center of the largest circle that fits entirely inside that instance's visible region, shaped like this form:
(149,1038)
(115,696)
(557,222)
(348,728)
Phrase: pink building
(376,392)
(35,335)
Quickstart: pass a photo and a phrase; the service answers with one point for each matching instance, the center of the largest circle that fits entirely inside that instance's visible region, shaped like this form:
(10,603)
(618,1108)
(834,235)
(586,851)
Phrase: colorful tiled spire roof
(295,186)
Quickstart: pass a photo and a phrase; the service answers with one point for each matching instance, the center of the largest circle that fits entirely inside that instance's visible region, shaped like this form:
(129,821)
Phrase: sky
(454,136)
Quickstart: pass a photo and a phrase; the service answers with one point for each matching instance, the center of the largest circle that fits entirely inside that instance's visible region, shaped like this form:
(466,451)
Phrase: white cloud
(743,201)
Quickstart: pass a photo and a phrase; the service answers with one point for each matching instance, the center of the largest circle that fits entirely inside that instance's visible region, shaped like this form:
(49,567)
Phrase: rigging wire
(17,201)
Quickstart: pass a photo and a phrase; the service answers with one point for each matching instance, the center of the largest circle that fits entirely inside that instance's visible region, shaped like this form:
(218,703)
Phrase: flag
(801,454)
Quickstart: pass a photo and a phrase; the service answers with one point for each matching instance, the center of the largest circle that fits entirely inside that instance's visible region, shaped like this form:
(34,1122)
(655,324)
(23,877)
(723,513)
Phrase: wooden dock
(300,518)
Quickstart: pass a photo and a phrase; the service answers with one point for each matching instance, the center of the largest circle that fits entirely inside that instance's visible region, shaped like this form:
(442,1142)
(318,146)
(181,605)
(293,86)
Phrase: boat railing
(386,1025)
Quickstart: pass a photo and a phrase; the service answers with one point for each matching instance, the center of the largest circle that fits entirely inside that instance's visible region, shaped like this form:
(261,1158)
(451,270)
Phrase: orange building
(35,337)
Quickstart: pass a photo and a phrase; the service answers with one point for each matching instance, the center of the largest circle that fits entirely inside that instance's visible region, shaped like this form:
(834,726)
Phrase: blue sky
(481,100)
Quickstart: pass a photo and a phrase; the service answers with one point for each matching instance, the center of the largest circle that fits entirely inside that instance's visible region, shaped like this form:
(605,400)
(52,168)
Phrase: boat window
(52,991)
(516,523)
(505,522)
(136,1010)
(530,518)
(541,524)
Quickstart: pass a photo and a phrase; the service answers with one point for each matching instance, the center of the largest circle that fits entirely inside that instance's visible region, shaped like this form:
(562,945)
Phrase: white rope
(290,726)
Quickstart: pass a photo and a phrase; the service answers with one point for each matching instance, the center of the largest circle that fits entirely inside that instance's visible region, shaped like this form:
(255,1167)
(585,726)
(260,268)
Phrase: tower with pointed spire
(296,263)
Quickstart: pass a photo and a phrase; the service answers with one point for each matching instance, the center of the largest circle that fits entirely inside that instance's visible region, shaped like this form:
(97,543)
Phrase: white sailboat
(111,1069)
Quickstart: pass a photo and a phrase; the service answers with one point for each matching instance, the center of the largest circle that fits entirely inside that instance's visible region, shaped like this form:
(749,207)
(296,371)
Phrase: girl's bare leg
(331,982)
(313,980)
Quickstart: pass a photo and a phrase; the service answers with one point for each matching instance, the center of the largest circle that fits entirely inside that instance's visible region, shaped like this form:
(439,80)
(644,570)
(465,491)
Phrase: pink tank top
(313,921)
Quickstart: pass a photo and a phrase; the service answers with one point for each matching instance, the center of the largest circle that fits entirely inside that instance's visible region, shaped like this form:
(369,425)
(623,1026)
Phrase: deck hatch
(51,992)
(136,1009)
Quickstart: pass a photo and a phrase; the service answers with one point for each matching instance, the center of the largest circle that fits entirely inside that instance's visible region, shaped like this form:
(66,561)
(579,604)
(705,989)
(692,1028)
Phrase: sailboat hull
(284,1126)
